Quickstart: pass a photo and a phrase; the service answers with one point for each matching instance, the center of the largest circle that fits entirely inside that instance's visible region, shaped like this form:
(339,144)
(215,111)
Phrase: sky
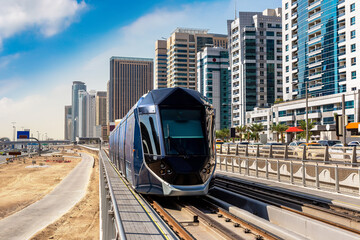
(45,45)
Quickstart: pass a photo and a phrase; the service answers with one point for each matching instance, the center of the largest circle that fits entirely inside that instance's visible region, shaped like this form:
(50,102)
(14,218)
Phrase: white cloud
(47,16)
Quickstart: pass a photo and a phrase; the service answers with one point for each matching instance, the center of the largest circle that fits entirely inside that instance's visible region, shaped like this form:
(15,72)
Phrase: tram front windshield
(183,132)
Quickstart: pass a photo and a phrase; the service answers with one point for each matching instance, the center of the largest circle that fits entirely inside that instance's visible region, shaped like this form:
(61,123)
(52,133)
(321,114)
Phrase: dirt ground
(22,186)
(82,221)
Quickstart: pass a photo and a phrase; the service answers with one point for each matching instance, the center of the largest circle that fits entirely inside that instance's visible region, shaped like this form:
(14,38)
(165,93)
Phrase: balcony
(314,4)
(314,51)
(295,80)
(287,117)
(314,16)
(314,28)
(315,87)
(295,92)
(315,75)
(294,4)
(313,115)
(314,39)
(315,63)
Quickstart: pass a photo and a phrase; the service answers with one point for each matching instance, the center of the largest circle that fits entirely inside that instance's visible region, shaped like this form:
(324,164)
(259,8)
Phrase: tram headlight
(169,171)
(204,170)
(162,166)
(162,172)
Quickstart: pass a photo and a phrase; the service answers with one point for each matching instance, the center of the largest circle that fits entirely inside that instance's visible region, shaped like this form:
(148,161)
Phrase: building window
(261,89)
(279,89)
(353,89)
(261,49)
(286,16)
(287,79)
(287,90)
(261,81)
(261,57)
(261,97)
(269,25)
(261,65)
(287,58)
(353,34)
(286,37)
(261,24)
(279,42)
(286,26)
(353,47)
(262,41)
(286,5)
(287,68)
(261,73)
(261,33)
(353,61)
(352,21)
(352,7)
(353,75)
(287,47)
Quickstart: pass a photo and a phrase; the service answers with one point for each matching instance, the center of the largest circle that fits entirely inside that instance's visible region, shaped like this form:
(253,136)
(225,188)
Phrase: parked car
(354,143)
(338,145)
(295,143)
(328,142)
(219,141)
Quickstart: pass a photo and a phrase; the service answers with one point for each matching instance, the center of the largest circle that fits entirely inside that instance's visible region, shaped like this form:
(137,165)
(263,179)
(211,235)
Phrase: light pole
(38,134)
(306,118)
(14,130)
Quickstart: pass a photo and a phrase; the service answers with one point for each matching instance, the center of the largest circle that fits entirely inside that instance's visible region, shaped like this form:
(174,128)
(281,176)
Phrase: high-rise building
(319,45)
(182,46)
(83,112)
(160,64)
(67,123)
(101,108)
(130,78)
(256,61)
(76,87)
(214,82)
(91,116)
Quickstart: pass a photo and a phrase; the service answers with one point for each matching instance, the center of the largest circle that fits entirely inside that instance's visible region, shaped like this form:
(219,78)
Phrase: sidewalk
(25,223)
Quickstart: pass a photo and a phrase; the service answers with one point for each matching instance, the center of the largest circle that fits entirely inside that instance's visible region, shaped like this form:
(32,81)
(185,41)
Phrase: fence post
(353,160)
(228,150)
(359,179)
(278,170)
(256,167)
(237,150)
(240,166)
(271,152)
(267,168)
(317,176)
(257,150)
(291,172)
(326,154)
(304,153)
(337,188)
(226,164)
(221,148)
(303,174)
(232,164)
(286,154)
(247,166)
(247,150)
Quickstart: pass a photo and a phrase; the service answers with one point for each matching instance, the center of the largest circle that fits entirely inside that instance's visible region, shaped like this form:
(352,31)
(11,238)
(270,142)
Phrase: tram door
(129,147)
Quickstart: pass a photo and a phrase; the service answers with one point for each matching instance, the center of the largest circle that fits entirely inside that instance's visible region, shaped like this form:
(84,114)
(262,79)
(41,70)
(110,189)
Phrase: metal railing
(112,227)
(273,164)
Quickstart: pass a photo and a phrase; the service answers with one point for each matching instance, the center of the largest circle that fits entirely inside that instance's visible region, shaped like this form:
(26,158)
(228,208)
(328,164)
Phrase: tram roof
(173,96)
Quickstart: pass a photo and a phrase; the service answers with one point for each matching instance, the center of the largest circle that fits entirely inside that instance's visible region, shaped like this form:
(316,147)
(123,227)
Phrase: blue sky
(47,44)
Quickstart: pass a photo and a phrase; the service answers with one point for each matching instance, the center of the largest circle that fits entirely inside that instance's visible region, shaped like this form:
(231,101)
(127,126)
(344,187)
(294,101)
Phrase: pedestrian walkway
(25,223)
(351,202)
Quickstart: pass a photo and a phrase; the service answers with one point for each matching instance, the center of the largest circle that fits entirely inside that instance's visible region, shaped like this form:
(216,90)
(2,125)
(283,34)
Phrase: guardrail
(282,164)
(111,224)
(345,155)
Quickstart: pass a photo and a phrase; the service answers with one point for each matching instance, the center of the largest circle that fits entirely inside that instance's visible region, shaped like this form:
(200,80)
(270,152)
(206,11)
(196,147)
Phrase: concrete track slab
(351,202)
(25,223)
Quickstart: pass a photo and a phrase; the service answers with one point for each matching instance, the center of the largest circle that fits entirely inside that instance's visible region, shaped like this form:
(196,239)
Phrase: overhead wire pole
(343,119)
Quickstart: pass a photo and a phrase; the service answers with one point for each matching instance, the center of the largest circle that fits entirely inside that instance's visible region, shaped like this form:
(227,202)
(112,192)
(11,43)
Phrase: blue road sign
(23,134)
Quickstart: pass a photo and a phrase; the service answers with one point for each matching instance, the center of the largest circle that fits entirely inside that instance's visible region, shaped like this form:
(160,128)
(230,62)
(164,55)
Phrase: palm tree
(256,128)
(310,125)
(222,134)
(275,128)
(241,130)
(281,128)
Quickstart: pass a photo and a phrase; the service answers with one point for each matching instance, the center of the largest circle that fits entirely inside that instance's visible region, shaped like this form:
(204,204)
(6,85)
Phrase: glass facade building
(214,82)
(76,87)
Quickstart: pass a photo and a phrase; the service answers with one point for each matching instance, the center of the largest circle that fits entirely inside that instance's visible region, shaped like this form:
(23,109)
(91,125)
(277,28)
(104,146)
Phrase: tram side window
(149,134)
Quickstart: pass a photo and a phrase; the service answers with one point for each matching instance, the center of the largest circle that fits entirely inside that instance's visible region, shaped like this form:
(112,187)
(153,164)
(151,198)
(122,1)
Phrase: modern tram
(165,145)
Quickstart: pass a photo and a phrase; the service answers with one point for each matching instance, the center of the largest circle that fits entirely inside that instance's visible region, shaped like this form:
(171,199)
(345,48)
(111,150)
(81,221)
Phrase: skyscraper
(83,112)
(130,78)
(76,87)
(160,64)
(67,123)
(256,61)
(182,46)
(101,108)
(214,82)
(319,44)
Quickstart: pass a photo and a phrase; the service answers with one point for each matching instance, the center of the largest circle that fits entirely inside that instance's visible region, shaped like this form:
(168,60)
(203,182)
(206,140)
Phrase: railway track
(199,218)
(325,212)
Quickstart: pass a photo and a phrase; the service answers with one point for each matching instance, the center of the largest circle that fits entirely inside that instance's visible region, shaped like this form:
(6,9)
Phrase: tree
(222,134)
(281,128)
(274,128)
(241,130)
(310,125)
(256,128)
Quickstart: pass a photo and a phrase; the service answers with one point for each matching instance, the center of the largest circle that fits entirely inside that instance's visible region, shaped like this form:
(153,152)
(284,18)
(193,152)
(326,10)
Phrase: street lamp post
(14,130)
